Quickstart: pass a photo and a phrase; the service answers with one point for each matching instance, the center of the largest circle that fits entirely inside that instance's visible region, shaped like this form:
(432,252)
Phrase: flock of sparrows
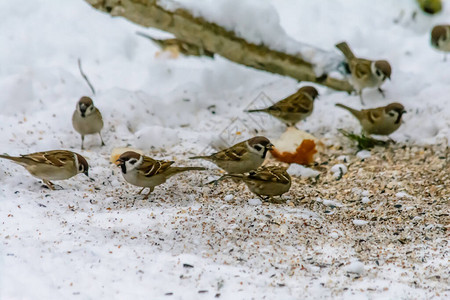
(241,161)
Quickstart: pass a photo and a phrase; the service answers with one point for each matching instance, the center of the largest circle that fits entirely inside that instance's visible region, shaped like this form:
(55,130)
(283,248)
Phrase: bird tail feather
(345,49)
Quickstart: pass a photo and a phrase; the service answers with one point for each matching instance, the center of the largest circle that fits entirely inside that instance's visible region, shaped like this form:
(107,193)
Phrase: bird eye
(378,73)
(257,147)
(392,114)
(133,161)
(80,168)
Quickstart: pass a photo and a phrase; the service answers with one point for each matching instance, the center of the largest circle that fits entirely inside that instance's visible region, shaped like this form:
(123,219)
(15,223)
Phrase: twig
(85,77)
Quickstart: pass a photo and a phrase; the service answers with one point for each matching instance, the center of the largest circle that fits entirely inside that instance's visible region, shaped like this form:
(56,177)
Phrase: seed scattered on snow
(403,195)
(331,203)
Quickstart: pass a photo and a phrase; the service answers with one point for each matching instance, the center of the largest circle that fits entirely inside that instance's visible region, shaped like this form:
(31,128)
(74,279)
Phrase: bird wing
(151,167)
(360,68)
(374,115)
(295,103)
(56,158)
(99,114)
(270,174)
(233,153)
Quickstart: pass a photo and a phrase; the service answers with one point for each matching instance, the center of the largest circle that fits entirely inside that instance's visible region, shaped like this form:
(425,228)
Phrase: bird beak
(270,147)
(86,173)
(121,164)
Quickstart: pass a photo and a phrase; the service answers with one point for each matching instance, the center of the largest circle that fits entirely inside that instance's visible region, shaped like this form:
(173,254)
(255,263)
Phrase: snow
(402,195)
(258,22)
(365,193)
(338,170)
(360,222)
(254,202)
(328,202)
(98,240)
(355,267)
(365,200)
(228,197)
(363,154)
(302,171)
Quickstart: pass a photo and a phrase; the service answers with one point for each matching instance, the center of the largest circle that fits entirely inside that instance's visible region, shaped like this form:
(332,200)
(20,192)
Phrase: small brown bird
(52,165)
(242,157)
(440,38)
(266,181)
(293,108)
(143,171)
(87,119)
(381,120)
(365,73)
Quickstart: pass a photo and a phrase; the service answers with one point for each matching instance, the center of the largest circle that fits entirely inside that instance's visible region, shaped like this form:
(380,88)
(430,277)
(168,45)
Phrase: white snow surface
(355,267)
(87,242)
(302,171)
(338,170)
(360,222)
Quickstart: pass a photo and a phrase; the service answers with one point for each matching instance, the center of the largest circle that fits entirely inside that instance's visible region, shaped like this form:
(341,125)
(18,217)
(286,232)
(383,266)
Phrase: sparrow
(381,120)
(440,38)
(242,157)
(52,165)
(87,119)
(268,181)
(293,108)
(365,73)
(143,171)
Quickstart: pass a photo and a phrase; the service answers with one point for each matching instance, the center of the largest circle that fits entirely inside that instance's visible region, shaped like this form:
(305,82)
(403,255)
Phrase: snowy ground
(89,241)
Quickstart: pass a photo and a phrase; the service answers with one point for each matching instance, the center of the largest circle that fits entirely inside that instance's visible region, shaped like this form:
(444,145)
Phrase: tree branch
(213,38)
(85,77)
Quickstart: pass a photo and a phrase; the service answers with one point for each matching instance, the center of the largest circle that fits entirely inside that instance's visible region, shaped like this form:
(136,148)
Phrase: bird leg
(381,92)
(149,192)
(82,142)
(100,134)
(141,190)
(49,184)
(360,97)
(264,199)
(276,201)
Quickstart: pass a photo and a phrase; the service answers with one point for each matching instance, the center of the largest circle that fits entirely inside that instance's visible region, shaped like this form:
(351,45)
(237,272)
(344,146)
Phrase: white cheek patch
(131,166)
(76,163)
(252,149)
(393,116)
(376,72)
